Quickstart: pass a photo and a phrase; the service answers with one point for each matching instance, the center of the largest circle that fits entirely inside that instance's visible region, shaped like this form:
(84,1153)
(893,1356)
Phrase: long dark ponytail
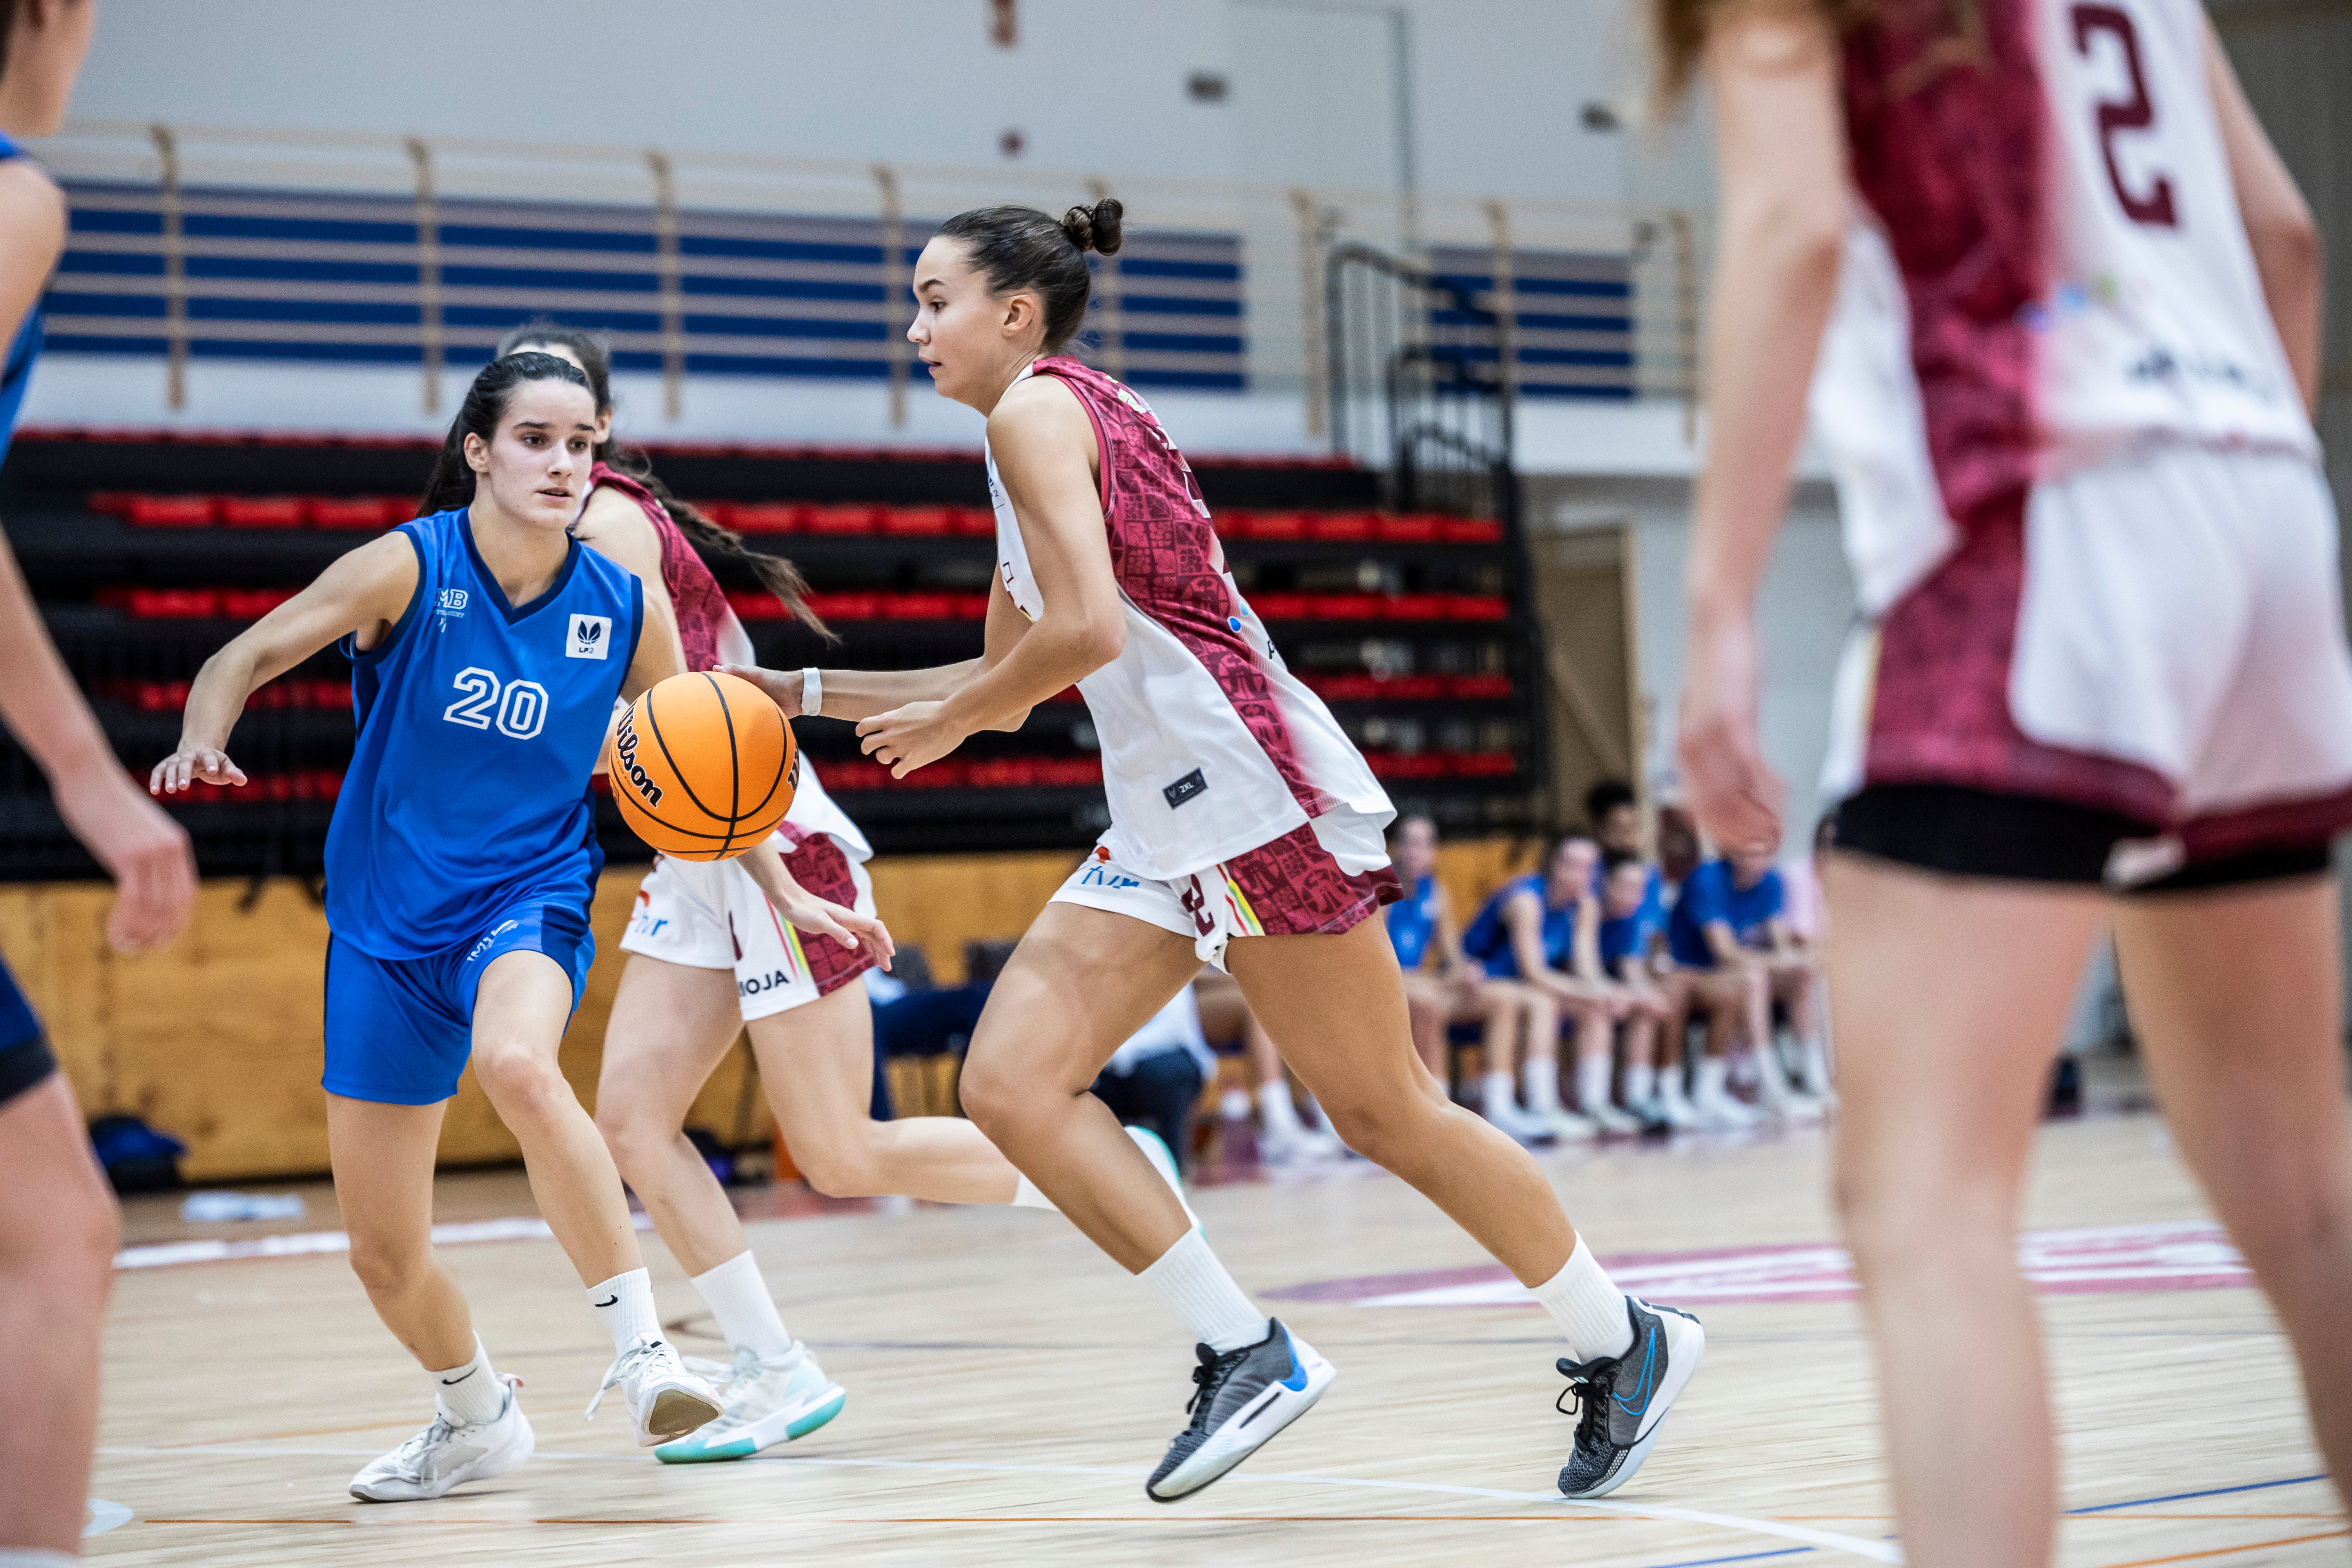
(776,575)
(452,484)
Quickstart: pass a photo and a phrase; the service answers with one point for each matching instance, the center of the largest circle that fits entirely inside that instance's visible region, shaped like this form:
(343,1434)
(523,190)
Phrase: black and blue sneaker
(1242,1398)
(1621,1401)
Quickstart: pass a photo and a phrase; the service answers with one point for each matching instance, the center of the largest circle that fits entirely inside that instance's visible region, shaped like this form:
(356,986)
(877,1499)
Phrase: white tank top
(1189,781)
(2047,268)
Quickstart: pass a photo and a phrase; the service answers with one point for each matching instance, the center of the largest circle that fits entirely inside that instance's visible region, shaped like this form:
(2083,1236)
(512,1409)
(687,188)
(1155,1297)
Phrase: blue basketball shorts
(25,1058)
(399,1029)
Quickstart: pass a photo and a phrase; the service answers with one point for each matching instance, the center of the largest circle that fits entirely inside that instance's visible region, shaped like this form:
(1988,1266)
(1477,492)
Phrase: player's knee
(72,1249)
(838,1168)
(630,1129)
(385,1268)
(523,1084)
(994,1099)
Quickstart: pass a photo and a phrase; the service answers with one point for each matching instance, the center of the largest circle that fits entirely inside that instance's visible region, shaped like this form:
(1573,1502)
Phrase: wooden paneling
(216,1039)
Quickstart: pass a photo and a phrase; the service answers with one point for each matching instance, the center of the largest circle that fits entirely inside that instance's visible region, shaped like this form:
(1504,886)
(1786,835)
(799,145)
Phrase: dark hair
(452,484)
(1607,796)
(1613,859)
(1574,835)
(776,575)
(1396,828)
(1021,248)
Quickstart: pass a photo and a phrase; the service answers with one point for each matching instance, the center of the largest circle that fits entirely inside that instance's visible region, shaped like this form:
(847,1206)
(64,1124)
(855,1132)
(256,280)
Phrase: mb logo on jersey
(591,635)
(625,755)
(453,601)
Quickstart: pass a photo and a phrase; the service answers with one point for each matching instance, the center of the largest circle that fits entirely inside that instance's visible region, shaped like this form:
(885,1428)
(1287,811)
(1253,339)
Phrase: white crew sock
(1026,1195)
(1714,1081)
(471,1392)
(1591,1083)
(1540,1076)
(1495,1095)
(738,1297)
(1190,1279)
(1816,1068)
(1641,1083)
(1276,1107)
(34,1557)
(1589,1308)
(624,1305)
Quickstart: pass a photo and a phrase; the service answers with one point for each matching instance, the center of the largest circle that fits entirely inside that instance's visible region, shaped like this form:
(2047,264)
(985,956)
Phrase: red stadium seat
(263,512)
(171,511)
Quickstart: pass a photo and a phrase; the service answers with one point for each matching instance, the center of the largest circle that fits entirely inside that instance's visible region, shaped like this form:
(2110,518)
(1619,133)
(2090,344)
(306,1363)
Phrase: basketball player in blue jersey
(59,1224)
(489,647)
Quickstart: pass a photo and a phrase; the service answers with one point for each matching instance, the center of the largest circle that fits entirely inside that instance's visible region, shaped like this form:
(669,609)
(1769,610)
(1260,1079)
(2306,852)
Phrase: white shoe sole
(673,1412)
(797,1419)
(1248,1432)
(1684,1350)
(497,1462)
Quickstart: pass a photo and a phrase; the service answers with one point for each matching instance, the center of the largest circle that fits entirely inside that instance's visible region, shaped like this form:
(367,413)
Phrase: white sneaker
(1296,1146)
(1570,1126)
(665,1400)
(1613,1122)
(1676,1110)
(1721,1113)
(1789,1105)
(449,1454)
(768,1402)
(1524,1125)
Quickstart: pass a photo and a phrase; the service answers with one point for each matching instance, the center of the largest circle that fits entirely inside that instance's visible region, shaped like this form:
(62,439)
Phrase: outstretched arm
(364,592)
(855,694)
(1044,444)
(1780,147)
(143,850)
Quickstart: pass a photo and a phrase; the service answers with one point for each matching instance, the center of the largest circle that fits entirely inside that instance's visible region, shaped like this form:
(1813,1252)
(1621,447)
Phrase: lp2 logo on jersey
(590,635)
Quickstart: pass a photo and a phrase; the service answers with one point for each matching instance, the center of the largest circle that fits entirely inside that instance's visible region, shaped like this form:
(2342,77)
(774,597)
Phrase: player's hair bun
(1096,227)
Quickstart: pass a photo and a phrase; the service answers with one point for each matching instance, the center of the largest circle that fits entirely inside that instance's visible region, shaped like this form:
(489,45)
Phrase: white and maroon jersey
(2049,269)
(1209,746)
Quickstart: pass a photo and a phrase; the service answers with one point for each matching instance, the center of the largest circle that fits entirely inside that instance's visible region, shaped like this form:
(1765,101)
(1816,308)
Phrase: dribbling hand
(143,850)
(1732,788)
(190,764)
(782,687)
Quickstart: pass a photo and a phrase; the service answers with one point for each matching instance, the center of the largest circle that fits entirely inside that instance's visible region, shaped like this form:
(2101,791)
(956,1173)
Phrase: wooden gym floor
(1009,1388)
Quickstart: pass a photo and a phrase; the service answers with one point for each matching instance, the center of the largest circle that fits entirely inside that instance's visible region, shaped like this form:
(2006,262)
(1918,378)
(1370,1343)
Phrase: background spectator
(1155,1079)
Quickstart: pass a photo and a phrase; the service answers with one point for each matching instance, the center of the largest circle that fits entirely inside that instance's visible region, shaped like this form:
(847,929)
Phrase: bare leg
(818,1063)
(58,1230)
(519,1010)
(1337,1005)
(383,1157)
(1944,1068)
(1081,982)
(1429,1002)
(671,1026)
(2239,999)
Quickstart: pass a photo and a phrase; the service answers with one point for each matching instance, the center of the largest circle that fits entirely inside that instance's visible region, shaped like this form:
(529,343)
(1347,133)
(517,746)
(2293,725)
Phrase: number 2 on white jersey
(521,714)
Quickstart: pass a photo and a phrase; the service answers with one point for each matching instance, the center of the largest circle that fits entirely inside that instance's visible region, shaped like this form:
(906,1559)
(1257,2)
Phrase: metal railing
(194,241)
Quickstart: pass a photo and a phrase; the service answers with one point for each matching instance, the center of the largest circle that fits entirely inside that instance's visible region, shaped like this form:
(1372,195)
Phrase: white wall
(1499,84)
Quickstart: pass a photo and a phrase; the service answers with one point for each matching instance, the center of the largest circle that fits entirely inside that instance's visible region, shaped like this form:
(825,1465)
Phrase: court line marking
(2233,1551)
(2186,1497)
(1878,1551)
(104,1516)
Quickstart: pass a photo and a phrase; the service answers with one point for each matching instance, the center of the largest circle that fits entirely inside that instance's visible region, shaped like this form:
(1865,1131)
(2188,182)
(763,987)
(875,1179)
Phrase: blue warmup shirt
(1489,940)
(1412,923)
(1628,936)
(1711,894)
(480,725)
(1653,895)
(23,350)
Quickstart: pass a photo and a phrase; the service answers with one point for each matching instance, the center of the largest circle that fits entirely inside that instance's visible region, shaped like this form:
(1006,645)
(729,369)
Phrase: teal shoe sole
(687,1451)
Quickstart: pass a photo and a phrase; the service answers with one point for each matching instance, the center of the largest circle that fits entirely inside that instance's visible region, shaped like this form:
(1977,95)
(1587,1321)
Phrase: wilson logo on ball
(710,766)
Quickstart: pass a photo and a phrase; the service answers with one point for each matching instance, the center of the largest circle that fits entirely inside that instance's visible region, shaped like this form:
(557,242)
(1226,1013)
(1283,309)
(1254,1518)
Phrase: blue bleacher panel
(327,277)
(1572,327)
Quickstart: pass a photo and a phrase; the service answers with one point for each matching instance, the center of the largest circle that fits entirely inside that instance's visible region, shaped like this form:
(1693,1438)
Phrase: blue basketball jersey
(16,371)
(1488,938)
(480,725)
(1412,923)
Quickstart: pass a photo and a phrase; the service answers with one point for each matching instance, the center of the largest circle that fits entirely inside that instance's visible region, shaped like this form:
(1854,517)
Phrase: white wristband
(811,692)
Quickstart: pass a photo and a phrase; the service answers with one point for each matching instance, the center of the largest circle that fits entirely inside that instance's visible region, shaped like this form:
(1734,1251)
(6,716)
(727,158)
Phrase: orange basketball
(703,767)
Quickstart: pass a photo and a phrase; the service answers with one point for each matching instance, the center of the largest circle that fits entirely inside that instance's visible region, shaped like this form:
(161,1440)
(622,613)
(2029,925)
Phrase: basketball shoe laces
(1589,1383)
(1211,1372)
(628,1363)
